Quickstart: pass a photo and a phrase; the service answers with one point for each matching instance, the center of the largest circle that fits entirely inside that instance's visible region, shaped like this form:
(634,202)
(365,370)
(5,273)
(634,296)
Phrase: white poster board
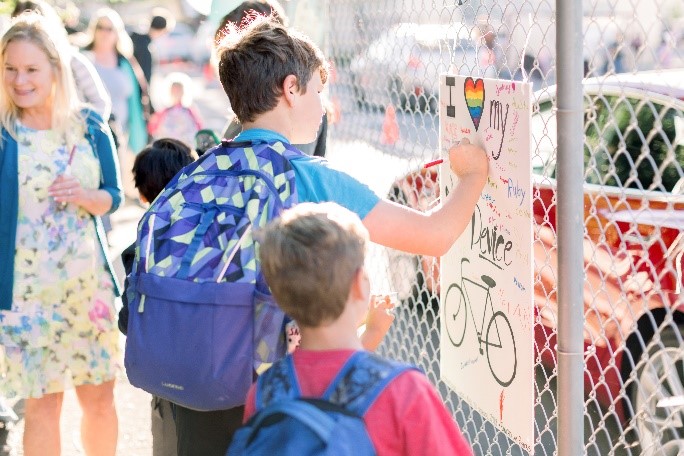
(486,279)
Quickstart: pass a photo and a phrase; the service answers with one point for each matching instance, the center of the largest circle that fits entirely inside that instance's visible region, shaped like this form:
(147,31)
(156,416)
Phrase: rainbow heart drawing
(474,96)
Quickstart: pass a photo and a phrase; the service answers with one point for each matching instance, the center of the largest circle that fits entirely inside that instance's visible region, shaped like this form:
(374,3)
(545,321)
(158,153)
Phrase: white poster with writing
(486,279)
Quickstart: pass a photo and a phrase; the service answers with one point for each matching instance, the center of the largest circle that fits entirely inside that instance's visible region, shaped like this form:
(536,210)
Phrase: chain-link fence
(387,55)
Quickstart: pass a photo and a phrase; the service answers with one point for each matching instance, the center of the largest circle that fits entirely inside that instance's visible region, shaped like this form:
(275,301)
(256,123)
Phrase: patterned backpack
(286,423)
(201,319)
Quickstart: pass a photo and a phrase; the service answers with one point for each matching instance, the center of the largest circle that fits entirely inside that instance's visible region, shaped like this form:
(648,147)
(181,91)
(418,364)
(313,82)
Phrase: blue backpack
(201,319)
(285,423)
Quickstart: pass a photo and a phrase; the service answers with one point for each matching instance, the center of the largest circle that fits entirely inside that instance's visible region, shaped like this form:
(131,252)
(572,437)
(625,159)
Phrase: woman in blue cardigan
(58,174)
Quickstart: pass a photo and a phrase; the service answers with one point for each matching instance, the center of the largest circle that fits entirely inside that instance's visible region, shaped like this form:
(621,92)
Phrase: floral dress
(61,325)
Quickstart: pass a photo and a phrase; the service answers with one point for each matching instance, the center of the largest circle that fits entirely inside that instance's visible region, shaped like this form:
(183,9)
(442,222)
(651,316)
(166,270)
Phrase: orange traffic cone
(208,72)
(335,111)
(390,127)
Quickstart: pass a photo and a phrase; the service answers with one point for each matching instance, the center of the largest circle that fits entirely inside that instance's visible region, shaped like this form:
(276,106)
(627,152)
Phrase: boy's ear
(290,89)
(360,285)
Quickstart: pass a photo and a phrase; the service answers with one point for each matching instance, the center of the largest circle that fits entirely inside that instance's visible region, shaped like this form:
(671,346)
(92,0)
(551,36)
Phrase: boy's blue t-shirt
(317,182)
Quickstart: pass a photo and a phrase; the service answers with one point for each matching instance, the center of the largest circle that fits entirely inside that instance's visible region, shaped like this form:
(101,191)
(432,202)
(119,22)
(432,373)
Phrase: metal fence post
(570,228)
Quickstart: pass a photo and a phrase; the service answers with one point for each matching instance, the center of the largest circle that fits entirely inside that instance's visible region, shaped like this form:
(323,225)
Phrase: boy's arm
(378,321)
(432,233)
(250,404)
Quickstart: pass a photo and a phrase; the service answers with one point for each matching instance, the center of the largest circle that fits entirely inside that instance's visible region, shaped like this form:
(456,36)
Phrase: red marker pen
(67,170)
(439,161)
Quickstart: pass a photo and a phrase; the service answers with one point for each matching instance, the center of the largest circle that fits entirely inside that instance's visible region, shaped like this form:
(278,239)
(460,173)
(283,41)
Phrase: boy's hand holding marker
(465,159)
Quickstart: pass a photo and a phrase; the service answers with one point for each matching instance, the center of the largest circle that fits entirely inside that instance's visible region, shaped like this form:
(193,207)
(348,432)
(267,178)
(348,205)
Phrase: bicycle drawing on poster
(493,330)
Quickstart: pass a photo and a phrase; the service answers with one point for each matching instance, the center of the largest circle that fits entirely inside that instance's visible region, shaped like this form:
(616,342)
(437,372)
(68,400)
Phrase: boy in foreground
(274,77)
(313,260)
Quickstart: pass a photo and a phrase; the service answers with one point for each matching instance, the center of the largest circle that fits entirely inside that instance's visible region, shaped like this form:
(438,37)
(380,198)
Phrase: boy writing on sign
(274,77)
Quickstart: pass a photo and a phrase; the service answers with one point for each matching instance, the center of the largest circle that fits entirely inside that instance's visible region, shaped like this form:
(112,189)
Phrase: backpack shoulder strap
(361,380)
(277,383)
(291,152)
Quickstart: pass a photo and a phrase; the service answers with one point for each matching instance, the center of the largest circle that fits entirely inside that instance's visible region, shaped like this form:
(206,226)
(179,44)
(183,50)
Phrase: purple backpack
(202,320)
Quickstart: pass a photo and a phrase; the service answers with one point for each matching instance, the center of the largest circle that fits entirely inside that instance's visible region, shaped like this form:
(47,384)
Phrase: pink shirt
(408,418)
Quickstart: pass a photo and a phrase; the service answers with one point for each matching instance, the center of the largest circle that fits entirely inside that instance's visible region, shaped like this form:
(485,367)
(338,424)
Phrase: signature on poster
(489,242)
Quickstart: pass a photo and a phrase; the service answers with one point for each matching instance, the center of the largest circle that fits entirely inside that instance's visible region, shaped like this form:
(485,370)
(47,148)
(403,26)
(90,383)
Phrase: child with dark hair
(157,164)
(154,167)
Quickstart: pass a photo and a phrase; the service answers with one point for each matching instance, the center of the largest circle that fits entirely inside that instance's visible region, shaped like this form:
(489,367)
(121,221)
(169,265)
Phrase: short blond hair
(309,258)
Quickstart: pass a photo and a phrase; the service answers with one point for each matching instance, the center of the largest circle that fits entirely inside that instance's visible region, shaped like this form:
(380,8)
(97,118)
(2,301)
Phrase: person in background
(110,50)
(160,24)
(324,245)
(153,168)
(490,58)
(89,86)
(71,15)
(241,16)
(57,285)
(180,118)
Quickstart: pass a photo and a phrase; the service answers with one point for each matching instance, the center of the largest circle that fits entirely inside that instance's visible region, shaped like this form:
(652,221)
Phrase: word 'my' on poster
(486,278)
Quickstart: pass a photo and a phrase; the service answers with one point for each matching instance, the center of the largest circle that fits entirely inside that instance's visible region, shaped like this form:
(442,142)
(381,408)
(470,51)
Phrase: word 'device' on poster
(486,280)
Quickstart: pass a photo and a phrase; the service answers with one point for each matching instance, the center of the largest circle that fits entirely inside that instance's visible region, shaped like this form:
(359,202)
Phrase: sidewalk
(133,404)
(133,407)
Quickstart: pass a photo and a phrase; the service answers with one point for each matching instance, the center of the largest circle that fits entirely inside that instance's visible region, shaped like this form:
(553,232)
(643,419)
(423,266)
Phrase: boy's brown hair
(309,258)
(255,60)
(246,12)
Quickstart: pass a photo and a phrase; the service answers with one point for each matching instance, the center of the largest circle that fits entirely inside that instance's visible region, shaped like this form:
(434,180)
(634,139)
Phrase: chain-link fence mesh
(387,55)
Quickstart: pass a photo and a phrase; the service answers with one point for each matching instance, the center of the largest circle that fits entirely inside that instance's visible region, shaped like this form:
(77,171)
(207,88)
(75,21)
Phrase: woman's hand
(66,189)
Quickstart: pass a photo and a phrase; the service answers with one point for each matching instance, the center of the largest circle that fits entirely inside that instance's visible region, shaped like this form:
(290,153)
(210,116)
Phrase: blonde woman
(111,51)
(88,84)
(57,288)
